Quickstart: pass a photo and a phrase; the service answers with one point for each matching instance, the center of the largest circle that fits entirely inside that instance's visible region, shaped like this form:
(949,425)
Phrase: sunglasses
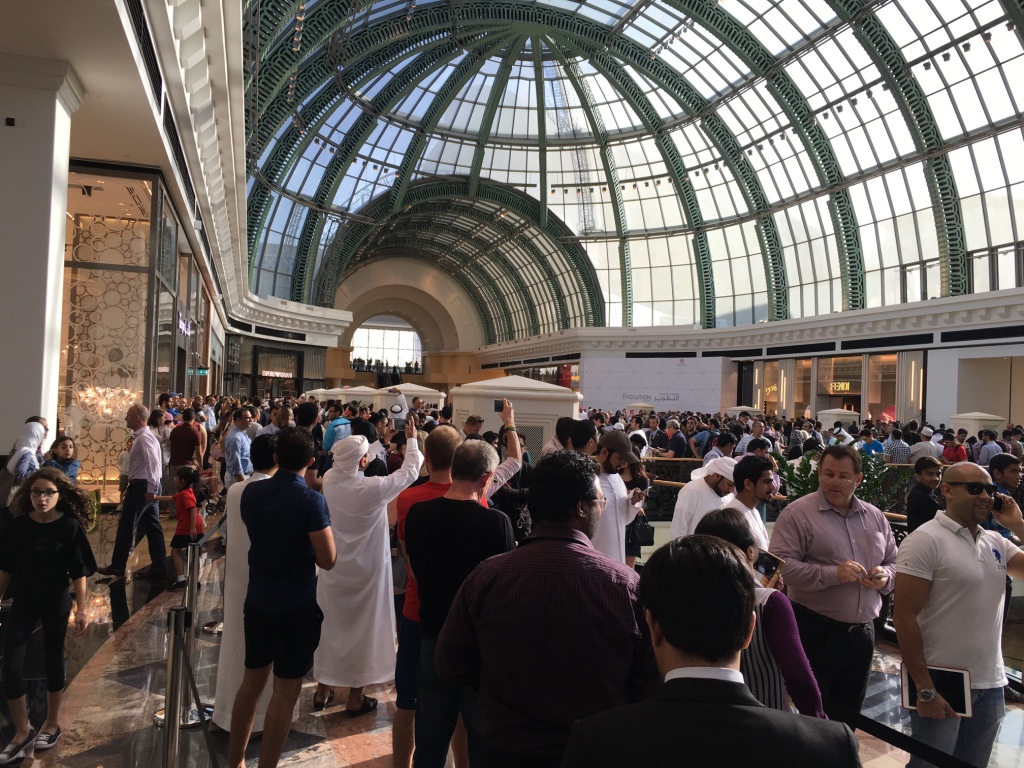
(975,489)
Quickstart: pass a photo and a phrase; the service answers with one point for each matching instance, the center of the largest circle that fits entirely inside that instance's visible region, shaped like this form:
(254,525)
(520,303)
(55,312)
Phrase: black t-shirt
(921,507)
(445,540)
(43,557)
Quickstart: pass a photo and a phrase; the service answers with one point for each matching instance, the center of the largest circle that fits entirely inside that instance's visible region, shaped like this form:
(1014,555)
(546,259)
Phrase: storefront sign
(277,375)
(839,386)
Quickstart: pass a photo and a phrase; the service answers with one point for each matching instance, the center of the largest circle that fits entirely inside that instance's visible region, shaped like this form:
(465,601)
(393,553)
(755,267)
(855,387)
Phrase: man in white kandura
(357,642)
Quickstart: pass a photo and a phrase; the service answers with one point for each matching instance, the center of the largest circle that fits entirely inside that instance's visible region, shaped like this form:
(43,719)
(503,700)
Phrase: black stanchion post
(173,700)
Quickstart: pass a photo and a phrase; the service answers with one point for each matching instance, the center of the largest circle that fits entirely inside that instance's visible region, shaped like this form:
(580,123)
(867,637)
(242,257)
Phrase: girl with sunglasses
(41,550)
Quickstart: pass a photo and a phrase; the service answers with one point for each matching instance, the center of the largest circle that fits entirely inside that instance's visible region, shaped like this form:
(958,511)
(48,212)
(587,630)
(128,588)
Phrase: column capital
(45,75)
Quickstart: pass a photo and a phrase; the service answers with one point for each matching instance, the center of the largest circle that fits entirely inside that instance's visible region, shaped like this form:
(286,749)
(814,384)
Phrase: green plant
(880,485)
(881,482)
(799,480)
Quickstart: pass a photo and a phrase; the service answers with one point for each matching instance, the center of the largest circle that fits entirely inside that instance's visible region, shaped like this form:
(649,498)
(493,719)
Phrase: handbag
(640,532)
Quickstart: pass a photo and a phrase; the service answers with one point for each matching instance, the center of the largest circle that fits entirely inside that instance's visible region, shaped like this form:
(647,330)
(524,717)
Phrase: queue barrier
(909,744)
(183,708)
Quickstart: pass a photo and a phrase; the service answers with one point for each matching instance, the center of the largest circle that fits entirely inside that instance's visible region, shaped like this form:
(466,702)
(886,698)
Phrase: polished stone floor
(117,672)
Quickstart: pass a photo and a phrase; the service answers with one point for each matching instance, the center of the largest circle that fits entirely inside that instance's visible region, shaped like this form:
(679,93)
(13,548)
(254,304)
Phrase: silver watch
(925,694)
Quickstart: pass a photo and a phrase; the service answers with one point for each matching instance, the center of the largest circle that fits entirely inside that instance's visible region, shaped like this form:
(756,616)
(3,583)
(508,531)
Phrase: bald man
(951,574)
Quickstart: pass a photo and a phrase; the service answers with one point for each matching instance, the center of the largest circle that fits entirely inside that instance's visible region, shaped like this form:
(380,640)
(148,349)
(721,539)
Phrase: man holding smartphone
(840,559)
(950,575)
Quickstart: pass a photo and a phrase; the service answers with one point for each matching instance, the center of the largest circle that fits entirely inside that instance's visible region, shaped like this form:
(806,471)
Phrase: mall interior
(797,204)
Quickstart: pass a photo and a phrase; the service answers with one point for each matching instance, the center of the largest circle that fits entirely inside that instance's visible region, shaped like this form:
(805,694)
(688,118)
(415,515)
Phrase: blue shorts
(407,663)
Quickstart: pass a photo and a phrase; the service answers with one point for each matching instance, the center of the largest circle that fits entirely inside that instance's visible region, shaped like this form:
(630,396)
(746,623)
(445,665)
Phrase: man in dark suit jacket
(699,597)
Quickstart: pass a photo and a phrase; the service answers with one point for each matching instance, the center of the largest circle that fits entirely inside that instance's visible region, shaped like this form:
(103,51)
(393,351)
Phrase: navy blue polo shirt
(279,514)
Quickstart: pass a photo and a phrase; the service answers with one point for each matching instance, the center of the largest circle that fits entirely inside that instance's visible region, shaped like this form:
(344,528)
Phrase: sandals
(16,749)
(47,740)
(319,706)
(369,705)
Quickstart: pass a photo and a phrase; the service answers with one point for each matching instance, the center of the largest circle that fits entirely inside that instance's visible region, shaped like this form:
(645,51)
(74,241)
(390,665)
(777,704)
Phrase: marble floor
(117,672)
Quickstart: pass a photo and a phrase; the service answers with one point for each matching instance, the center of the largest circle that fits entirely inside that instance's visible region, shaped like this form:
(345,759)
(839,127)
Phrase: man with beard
(498,635)
(950,576)
(614,452)
(710,488)
(755,484)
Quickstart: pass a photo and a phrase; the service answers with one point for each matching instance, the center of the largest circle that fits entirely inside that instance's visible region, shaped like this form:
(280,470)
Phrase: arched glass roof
(639,162)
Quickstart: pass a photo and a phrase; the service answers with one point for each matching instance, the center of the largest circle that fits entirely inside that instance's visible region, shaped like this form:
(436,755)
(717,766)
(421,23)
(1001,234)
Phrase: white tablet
(954,685)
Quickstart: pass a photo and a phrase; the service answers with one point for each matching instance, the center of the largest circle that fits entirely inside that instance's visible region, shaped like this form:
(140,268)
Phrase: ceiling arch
(442,312)
(710,163)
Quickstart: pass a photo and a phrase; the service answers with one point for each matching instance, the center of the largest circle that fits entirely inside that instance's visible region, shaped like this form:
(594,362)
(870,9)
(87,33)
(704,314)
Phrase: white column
(37,99)
(787,388)
(909,385)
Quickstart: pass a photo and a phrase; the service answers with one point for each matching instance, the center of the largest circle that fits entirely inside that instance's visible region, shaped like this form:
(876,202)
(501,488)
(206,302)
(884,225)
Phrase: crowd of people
(501,594)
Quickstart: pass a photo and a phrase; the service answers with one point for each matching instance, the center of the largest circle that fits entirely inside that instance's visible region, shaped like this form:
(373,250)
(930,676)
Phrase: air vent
(142,36)
(647,355)
(171,132)
(291,335)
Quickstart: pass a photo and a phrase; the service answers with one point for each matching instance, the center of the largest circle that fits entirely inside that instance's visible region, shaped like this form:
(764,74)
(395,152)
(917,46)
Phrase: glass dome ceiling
(639,162)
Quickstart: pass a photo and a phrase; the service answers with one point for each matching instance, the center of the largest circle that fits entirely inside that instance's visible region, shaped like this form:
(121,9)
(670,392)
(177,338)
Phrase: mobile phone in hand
(997,504)
(499,406)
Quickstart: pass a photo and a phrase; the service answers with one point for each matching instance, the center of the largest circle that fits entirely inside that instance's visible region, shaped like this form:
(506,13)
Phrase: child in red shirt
(190,522)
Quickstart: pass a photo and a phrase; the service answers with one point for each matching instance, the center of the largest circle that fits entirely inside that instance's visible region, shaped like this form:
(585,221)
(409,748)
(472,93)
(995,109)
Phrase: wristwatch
(925,694)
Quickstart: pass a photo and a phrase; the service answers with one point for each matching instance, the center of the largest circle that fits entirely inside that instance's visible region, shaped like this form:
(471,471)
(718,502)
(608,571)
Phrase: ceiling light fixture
(927,65)
(987,37)
(966,47)
(1010,26)
(946,56)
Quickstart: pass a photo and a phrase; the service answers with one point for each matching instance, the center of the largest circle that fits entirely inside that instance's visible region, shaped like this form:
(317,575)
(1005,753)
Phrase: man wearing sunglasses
(950,577)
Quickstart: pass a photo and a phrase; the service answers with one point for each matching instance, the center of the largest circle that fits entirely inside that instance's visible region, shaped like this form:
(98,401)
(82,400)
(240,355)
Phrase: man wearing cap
(710,488)
(614,452)
(924,447)
(840,559)
(472,426)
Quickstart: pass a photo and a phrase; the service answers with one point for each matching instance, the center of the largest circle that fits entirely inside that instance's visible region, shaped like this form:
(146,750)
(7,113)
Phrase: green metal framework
(461,38)
(451,199)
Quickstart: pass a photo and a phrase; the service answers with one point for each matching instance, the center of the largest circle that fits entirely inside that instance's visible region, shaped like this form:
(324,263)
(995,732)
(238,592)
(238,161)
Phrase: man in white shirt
(140,512)
(924,447)
(755,483)
(614,452)
(951,578)
(710,488)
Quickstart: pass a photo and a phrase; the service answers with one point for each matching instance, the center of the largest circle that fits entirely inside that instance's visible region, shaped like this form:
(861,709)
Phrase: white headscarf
(348,452)
(31,438)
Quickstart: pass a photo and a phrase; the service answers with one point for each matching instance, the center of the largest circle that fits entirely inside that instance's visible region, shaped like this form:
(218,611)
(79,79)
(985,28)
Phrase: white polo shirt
(962,620)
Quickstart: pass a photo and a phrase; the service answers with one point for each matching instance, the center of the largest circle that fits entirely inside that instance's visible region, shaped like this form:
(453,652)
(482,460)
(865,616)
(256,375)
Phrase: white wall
(975,379)
(706,384)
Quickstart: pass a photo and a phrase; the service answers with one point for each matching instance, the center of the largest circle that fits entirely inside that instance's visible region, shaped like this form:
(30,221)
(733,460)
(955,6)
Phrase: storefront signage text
(839,386)
(277,375)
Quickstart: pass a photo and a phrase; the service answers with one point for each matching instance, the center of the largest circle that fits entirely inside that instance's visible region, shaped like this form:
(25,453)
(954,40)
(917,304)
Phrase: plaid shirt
(897,452)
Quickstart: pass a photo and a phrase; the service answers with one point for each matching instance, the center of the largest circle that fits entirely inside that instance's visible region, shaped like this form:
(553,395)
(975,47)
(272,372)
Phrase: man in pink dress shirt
(840,560)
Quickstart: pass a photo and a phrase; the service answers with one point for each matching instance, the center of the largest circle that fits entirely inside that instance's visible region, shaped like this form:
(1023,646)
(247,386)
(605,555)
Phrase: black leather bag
(640,532)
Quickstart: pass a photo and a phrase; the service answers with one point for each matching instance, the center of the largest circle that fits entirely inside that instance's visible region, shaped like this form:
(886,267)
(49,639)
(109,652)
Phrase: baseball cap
(617,441)
(721,465)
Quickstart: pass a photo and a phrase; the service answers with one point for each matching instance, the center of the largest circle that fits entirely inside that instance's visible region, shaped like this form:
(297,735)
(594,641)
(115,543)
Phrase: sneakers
(47,740)
(15,751)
